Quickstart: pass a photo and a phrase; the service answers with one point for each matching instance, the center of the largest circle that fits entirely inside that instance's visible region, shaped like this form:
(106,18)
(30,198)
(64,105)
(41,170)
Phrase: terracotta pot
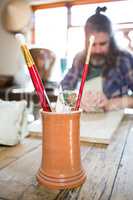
(61,164)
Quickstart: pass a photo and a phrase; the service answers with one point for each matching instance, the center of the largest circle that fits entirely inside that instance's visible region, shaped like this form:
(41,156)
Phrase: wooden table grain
(109,170)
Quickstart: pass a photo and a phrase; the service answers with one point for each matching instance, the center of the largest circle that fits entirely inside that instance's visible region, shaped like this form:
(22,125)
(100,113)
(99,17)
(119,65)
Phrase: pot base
(61,182)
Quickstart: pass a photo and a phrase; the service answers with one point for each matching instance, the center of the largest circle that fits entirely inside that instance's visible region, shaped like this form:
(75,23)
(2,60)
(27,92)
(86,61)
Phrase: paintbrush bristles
(91,42)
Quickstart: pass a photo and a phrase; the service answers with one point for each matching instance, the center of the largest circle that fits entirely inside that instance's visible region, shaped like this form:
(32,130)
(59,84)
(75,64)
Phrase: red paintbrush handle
(39,88)
(84,75)
(38,76)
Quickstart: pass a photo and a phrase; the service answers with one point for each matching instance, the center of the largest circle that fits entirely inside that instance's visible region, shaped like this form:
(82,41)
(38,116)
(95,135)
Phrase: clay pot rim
(60,113)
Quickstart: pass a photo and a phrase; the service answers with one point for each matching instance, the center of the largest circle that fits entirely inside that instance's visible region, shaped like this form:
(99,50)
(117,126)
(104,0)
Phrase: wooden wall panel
(68,3)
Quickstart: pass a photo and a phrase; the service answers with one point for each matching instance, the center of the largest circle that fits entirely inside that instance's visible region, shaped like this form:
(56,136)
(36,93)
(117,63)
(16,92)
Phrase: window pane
(51,33)
(75,42)
(118,12)
(50,28)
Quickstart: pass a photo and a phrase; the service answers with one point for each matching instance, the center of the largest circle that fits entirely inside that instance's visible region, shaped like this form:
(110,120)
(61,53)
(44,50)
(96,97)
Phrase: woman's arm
(98,101)
(118,103)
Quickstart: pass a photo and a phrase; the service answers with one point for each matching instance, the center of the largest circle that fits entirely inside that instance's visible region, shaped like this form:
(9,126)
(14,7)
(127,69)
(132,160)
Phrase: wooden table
(109,170)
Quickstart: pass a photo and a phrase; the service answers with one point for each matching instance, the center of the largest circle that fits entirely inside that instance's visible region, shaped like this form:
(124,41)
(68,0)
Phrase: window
(51,33)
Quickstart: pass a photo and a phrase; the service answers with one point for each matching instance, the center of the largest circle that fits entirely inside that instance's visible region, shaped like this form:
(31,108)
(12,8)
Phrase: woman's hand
(93,101)
(97,101)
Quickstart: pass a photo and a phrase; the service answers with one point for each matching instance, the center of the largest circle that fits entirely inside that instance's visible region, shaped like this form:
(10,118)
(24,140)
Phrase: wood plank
(99,127)
(12,153)
(101,165)
(123,187)
(2,148)
(61,3)
(20,176)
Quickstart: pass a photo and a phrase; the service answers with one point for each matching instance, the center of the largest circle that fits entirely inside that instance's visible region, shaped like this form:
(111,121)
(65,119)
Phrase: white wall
(11,58)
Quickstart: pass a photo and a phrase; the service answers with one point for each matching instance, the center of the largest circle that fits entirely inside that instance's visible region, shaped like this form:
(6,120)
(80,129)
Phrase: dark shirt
(117,81)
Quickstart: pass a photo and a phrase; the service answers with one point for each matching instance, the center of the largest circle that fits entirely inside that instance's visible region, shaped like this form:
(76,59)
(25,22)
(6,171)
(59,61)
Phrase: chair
(44,60)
